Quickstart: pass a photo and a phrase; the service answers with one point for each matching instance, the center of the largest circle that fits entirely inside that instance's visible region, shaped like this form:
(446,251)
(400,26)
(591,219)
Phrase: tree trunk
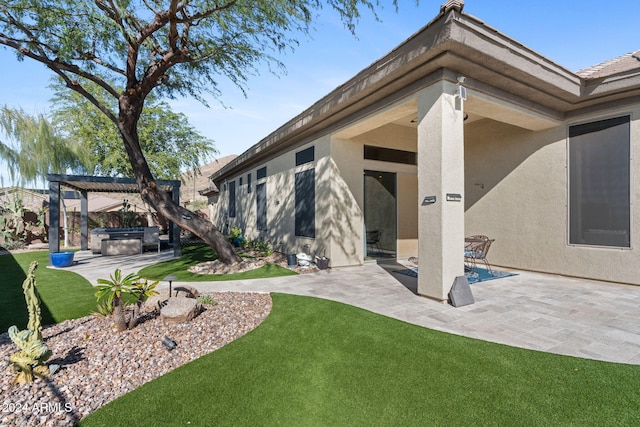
(118,314)
(134,316)
(159,199)
(150,221)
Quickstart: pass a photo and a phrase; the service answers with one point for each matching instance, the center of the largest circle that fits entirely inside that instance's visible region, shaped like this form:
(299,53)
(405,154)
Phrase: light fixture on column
(462,91)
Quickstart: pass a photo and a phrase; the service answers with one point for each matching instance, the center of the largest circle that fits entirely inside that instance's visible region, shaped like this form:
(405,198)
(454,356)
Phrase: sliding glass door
(380,214)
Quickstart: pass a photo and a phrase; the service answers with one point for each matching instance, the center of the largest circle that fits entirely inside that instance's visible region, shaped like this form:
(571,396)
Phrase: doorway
(380,214)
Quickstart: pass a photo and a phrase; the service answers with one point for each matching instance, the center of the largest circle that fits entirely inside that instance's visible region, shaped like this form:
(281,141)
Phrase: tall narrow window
(305,193)
(232,199)
(599,187)
(261,206)
(248,183)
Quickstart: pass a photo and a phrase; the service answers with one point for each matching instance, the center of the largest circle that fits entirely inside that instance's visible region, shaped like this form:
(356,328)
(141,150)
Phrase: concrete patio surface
(550,313)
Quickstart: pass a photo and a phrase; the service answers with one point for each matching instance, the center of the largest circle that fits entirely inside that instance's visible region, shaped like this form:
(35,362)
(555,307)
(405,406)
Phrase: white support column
(440,174)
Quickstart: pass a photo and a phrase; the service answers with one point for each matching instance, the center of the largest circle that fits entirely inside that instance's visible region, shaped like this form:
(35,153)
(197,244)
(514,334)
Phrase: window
(305,193)
(240,181)
(232,199)
(390,155)
(305,156)
(599,183)
(248,183)
(261,173)
(261,206)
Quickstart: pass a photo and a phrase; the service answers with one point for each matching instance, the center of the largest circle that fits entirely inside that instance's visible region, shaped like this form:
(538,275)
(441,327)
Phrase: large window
(599,188)
(305,222)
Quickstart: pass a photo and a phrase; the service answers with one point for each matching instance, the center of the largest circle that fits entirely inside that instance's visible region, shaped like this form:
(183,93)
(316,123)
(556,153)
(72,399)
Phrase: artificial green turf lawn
(64,294)
(195,254)
(317,362)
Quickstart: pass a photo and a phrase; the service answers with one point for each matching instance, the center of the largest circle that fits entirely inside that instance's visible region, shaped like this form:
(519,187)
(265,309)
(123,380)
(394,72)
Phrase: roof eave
(453,41)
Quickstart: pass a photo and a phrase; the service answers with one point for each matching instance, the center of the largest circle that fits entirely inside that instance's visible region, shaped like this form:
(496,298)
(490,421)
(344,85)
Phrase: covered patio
(95,184)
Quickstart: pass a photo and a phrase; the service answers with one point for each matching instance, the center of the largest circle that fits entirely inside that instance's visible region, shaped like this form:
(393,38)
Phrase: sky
(574,34)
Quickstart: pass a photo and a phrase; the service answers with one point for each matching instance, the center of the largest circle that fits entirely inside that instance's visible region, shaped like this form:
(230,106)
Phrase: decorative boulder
(179,310)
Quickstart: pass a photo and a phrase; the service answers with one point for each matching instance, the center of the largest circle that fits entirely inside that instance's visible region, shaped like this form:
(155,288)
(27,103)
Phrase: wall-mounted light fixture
(428,200)
(462,91)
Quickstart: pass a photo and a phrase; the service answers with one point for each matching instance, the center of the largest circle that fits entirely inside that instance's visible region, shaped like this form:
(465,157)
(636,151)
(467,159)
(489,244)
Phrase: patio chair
(476,250)
(373,239)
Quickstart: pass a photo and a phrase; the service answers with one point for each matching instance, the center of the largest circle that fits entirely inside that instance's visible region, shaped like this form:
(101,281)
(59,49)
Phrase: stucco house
(460,130)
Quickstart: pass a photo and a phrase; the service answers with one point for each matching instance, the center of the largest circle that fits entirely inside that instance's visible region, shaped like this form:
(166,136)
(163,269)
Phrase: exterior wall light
(462,91)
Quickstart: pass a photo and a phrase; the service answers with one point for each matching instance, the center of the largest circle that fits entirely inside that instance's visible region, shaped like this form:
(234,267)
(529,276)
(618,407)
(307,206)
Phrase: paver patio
(551,313)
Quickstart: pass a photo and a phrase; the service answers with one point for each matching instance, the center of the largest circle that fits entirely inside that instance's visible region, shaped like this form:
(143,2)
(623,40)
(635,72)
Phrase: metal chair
(476,250)
(373,239)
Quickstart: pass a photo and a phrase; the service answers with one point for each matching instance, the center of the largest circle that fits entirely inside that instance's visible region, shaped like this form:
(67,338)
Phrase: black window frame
(599,157)
(232,199)
(261,206)
(391,155)
(305,203)
(305,156)
(261,173)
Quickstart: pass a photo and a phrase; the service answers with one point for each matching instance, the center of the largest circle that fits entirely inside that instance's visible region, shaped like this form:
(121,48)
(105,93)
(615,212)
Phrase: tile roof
(452,4)
(621,64)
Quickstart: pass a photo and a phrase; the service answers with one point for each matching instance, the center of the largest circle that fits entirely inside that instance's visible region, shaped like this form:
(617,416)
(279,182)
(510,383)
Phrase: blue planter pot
(237,241)
(61,259)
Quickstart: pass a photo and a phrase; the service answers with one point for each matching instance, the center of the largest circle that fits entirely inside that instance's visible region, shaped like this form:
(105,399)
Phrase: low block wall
(121,247)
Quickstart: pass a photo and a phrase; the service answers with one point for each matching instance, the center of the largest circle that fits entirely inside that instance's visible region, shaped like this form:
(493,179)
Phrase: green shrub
(263,248)
(206,299)
(236,233)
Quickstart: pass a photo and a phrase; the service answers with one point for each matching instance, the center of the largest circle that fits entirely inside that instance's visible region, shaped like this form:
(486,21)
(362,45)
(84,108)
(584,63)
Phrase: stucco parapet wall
(453,41)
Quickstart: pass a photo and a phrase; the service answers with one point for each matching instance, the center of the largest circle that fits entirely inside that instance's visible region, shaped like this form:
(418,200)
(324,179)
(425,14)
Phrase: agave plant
(111,290)
(29,361)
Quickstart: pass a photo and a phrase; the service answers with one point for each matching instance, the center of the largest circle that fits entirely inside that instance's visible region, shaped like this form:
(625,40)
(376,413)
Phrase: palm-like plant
(111,290)
(142,290)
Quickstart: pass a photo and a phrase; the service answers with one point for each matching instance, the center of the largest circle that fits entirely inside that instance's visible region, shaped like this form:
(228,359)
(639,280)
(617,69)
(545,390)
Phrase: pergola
(98,184)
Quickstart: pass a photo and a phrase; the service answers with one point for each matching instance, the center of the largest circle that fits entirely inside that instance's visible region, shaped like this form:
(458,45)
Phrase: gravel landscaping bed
(99,365)
(254,260)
